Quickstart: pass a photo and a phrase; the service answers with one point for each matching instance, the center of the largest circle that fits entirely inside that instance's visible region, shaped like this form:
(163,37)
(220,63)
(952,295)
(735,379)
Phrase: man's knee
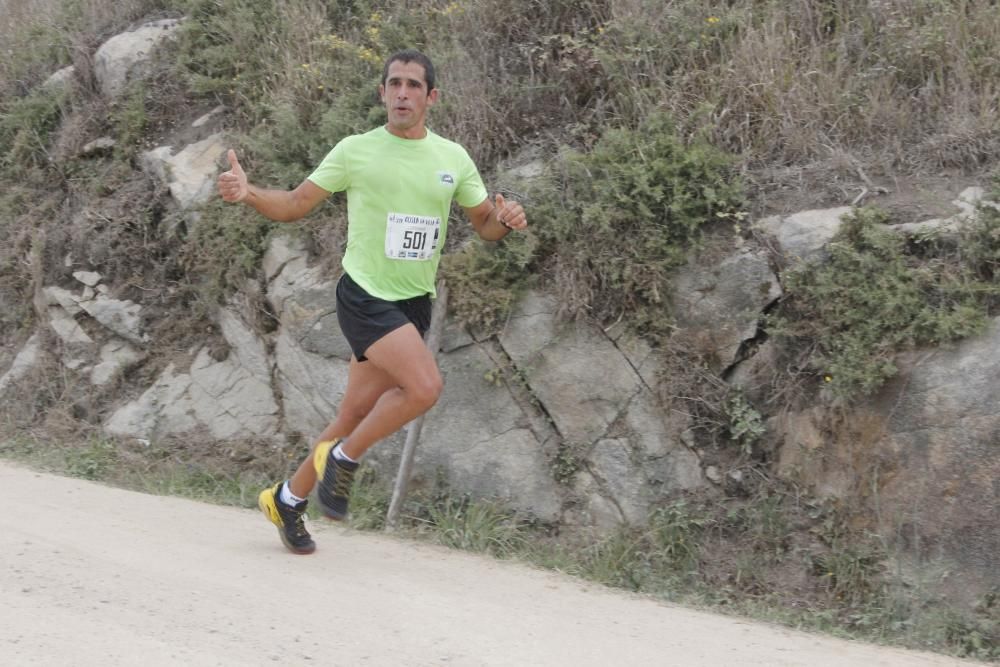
(426,390)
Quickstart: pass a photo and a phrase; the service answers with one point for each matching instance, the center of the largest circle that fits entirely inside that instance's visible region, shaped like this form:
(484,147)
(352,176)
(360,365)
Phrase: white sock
(287,497)
(338,452)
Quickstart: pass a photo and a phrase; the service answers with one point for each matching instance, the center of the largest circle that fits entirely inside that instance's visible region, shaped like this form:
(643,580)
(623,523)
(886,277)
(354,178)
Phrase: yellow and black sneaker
(335,479)
(289,520)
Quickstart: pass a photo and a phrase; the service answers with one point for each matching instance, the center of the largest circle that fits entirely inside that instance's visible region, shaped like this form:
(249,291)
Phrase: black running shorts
(365,319)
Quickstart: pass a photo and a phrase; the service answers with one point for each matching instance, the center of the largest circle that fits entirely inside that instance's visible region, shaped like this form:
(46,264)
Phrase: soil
(95,575)
(906,197)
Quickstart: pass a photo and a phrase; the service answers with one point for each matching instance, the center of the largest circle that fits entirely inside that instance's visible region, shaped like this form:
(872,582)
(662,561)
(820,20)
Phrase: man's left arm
(494,220)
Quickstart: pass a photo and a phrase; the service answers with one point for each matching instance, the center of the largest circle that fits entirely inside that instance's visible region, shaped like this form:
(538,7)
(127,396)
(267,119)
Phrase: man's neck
(415,132)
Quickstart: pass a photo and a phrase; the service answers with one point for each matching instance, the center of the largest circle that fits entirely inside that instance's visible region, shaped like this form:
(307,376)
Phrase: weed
(676,535)
(852,573)
(746,425)
(25,126)
(369,501)
(568,461)
(975,634)
(130,119)
(763,522)
(979,244)
(94,461)
(475,526)
(619,560)
(486,279)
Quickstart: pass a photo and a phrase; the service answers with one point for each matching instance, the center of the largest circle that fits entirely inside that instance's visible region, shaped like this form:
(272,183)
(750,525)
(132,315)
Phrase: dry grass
(901,85)
(39,37)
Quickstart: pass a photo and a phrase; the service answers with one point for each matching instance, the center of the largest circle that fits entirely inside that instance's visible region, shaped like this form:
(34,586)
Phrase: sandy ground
(91,575)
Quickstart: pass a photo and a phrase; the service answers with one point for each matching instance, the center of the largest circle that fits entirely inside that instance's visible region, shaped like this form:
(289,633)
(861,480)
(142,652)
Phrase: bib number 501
(411,237)
(414,240)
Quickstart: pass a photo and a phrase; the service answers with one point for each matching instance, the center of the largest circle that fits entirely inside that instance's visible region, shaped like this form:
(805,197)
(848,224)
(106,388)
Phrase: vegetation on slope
(662,123)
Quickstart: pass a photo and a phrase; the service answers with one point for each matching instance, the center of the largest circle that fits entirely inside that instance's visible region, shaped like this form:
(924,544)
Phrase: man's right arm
(278,205)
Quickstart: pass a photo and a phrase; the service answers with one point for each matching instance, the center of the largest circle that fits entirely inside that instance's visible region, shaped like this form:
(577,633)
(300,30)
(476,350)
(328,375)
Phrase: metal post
(438,314)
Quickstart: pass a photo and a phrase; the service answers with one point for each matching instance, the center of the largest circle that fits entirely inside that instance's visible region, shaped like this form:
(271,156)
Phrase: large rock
(803,236)
(116,357)
(122,317)
(311,386)
(940,457)
(190,174)
(583,381)
(312,357)
(948,229)
(483,440)
(57,296)
(286,270)
(923,457)
(26,360)
(61,80)
(123,57)
(163,409)
(623,477)
(67,328)
(628,452)
(718,306)
(230,399)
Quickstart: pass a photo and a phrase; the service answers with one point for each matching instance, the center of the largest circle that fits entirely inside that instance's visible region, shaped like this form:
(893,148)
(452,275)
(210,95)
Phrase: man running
(400,180)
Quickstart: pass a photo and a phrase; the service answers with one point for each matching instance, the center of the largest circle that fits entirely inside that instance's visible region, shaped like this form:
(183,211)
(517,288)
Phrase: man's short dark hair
(411,56)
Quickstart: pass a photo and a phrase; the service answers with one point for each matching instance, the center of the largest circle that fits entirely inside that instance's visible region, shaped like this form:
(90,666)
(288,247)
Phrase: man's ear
(432,96)
(381,92)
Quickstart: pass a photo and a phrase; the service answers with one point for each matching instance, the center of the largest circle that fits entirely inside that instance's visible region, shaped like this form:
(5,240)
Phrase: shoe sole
(321,456)
(263,505)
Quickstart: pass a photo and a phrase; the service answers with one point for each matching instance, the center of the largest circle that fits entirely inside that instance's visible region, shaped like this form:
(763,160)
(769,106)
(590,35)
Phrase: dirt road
(91,575)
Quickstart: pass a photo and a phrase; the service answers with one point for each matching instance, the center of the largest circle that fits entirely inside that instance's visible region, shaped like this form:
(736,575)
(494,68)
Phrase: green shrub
(131,119)
(873,298)
(225,248)
(745,423)
(485,279)
(310,79)
(614,223)
(979,242)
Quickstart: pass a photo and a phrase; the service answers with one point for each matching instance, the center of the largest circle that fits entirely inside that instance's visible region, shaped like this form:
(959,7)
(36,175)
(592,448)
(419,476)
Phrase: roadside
(98,575)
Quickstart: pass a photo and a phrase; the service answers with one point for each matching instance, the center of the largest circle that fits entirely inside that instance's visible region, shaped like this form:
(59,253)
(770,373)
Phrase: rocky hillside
(759,368)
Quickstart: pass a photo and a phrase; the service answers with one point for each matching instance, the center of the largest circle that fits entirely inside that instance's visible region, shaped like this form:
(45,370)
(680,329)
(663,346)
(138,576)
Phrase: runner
(400,180)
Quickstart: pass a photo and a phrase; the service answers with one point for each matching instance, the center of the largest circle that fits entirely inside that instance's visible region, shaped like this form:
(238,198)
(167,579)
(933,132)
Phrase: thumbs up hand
(233,183)
(510,214)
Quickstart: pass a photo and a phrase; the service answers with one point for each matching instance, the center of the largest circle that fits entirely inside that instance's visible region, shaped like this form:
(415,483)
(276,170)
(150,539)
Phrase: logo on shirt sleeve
(446,178)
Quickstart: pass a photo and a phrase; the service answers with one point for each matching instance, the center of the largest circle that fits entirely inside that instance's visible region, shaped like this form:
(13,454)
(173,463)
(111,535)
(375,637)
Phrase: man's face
(406,99)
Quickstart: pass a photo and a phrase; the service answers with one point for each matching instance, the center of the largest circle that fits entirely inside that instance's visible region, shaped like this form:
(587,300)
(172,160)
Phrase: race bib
(413,237)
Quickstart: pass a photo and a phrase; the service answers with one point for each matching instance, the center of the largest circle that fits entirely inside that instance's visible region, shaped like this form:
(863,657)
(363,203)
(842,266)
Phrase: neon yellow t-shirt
(399,193)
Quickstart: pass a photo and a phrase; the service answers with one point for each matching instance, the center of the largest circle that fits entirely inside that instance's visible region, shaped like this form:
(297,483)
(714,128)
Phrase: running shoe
(289,519)
(335,478)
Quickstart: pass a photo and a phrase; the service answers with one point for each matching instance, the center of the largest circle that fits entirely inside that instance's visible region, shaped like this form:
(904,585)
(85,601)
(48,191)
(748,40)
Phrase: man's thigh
(404,357)
(366,382)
